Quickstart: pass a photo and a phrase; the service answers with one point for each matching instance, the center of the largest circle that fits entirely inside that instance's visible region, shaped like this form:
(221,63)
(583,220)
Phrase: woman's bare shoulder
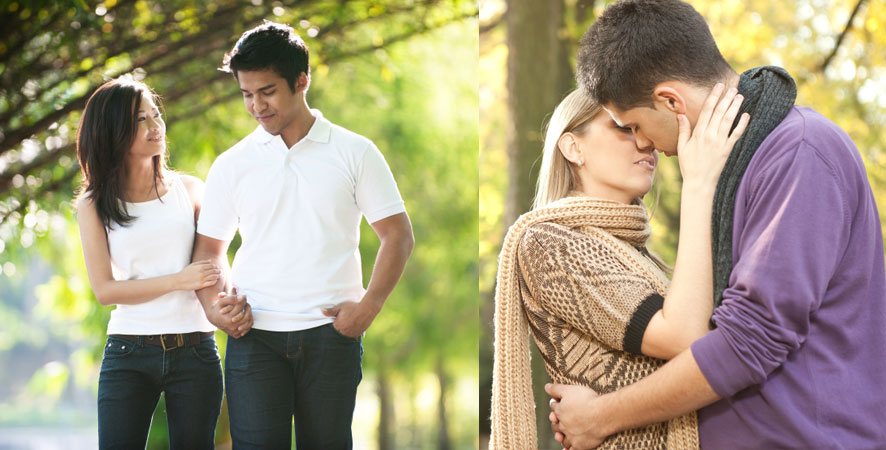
(84,202)
(191,182)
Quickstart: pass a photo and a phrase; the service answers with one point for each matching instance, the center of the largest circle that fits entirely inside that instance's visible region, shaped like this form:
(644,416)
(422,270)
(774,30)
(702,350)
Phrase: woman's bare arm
(109,291)
(703,152)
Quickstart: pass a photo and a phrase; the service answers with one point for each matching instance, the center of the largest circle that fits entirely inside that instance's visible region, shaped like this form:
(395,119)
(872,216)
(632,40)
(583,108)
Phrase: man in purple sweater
(797,354)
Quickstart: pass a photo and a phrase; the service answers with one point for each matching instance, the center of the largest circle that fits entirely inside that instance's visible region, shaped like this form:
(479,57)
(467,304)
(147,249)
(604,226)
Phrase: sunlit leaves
(373,72)
(798,35)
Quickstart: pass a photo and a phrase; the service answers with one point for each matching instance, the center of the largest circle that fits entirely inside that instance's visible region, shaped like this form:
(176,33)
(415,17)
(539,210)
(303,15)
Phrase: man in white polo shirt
(297,188)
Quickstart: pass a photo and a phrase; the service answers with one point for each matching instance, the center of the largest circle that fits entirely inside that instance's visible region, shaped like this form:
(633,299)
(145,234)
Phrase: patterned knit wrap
(596,235)
(769,93)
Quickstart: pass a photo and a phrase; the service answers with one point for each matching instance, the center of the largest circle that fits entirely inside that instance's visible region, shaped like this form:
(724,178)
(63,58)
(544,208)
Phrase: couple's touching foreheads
(766,333)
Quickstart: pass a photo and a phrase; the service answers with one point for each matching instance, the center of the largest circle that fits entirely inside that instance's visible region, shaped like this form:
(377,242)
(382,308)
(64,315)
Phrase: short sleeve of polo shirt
(376,192)
(218,218)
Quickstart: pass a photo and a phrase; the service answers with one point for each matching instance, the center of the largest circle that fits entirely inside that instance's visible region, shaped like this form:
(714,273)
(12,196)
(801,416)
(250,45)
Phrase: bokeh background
(835,49)
(401,72)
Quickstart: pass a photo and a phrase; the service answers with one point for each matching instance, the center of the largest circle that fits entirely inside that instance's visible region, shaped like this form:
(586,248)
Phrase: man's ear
(569,148)
(668,97)
(302,82)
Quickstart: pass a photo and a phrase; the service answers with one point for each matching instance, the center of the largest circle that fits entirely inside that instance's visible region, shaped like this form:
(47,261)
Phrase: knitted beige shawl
(621,228)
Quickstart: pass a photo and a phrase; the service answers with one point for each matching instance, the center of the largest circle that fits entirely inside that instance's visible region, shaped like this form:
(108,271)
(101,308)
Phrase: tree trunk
(539,76)
(443,441)
(386,411)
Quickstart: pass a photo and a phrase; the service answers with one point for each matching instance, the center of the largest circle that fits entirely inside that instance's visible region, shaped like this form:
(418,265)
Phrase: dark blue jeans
(132,377)
(309,377)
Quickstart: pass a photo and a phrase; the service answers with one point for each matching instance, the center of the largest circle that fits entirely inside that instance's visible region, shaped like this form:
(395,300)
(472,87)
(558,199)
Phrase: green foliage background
(799,35)
(402,73)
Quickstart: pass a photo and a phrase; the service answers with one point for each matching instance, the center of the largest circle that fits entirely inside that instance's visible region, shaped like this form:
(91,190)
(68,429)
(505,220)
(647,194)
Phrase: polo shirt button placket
(290,175)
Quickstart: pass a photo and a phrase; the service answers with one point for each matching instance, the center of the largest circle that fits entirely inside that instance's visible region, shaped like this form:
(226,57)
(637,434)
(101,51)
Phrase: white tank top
(158,242)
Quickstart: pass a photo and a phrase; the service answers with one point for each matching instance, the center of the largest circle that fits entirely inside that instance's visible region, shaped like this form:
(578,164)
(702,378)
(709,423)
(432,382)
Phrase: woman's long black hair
(106,133)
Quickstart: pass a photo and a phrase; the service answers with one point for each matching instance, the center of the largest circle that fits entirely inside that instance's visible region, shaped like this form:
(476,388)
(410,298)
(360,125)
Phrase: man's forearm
(677,388)
(353,318)
(389,265)
(208,295)
(231,314)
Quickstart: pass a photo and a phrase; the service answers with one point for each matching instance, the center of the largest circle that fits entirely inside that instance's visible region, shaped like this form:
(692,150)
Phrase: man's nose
(259,103)
(643,143)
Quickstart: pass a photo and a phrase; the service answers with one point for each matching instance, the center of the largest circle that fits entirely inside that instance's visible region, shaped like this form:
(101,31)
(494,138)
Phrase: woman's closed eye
(157,115)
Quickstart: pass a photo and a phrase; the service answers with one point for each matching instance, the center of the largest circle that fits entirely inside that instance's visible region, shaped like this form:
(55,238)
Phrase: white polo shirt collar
(320,132)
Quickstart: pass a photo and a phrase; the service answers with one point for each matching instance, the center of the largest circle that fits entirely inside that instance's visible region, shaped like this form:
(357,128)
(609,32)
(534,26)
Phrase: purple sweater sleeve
(793,232)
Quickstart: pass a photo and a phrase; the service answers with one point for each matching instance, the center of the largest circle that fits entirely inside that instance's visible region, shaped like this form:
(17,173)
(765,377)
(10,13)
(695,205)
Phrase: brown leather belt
(168,341)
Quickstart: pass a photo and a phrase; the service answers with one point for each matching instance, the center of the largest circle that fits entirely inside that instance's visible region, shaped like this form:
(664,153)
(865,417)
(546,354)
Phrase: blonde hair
(557,175)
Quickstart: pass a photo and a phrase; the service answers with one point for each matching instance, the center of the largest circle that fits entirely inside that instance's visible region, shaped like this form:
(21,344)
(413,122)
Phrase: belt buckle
(179,341)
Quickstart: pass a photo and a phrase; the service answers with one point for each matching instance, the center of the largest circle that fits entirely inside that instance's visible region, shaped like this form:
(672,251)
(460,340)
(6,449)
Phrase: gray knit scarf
(769,93)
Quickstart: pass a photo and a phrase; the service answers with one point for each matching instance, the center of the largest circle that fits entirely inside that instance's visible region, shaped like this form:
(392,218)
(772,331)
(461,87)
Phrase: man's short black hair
(270,46)
(637,44)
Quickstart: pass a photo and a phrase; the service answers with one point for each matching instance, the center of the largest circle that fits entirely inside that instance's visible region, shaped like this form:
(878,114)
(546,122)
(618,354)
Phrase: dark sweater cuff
(637,326)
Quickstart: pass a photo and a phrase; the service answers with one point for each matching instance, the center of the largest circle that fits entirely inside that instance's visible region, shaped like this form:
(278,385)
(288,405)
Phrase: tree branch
(401,37)
(220,22)
(14,137)
(43,160)
(338,27)
(54,186)
(166,57)
(201,108)
(827,61)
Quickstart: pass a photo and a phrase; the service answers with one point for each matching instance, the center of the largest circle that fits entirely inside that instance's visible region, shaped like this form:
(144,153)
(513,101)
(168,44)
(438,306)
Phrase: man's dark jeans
(310,376)
(133,375)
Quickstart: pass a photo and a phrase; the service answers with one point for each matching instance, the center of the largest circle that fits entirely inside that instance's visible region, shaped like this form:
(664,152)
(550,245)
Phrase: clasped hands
(231,314)
(574,417)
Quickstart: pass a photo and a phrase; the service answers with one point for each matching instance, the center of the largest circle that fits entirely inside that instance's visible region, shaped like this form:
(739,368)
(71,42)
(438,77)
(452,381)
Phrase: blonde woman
(575,270)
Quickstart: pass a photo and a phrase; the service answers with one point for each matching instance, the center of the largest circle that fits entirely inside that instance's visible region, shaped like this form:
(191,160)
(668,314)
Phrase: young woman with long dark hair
(137,221)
